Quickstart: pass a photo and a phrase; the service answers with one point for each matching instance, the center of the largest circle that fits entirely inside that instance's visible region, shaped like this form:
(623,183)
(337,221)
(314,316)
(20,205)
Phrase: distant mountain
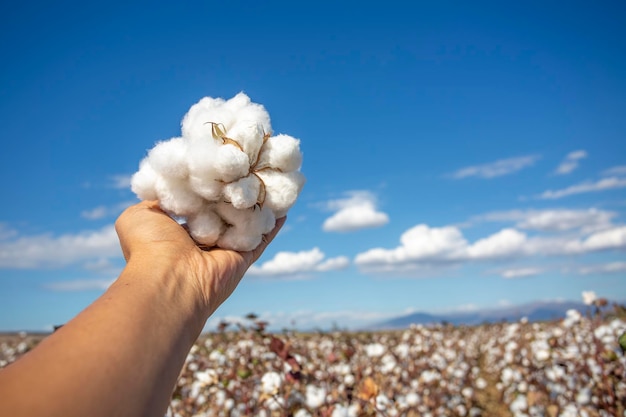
(537,311)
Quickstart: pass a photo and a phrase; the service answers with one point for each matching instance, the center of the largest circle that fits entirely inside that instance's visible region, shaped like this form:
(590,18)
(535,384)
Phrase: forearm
(121,356)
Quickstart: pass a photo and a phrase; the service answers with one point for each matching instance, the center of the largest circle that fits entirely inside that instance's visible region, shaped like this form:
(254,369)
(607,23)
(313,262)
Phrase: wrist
(166,284)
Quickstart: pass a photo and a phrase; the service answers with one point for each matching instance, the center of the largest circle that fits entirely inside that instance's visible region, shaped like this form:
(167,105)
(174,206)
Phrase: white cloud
(332,264)
(607,239)
(520,273)
(100,212)
(619,170)
(571,161)
(554,220)
(80,285)
(425,247)
(503,244)
(420,244)
(608,268)
(585,187)
(497,168)
(356,211)
(47,251)
(121,181)
(296,264)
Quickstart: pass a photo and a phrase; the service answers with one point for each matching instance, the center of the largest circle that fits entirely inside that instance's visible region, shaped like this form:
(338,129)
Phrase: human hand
(151,239)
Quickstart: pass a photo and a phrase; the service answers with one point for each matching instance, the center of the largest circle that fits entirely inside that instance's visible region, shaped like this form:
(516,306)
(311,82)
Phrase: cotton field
(572,367)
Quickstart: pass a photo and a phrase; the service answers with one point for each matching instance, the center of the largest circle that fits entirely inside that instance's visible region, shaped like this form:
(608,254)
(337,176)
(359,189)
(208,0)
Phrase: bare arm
(122,355)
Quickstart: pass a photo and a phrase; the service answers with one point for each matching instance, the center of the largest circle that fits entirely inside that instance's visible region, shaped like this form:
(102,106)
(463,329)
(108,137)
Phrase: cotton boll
(249,135)
(169,158)
(210,160)
(197,122)
(244,193)
(247,227)
(143,182)
(281,152)
(246,110)
(205,226)
(209,189)
(175,196)
(281,189)
(231,163)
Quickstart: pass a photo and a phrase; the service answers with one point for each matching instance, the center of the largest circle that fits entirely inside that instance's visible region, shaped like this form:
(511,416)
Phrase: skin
(121,356)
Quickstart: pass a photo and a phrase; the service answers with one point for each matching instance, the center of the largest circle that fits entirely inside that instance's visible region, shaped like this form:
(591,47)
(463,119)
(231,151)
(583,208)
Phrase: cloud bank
(423,247)
(47,251)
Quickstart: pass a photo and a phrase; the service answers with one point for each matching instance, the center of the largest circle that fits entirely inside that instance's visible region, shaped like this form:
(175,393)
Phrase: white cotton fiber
(281,189)
(281,152)
(245,228)
(250,136)
(207,188)
(206,226)
(169,158)
(225,176)
(243,193)
(143,182)
(177,197)
(231,163)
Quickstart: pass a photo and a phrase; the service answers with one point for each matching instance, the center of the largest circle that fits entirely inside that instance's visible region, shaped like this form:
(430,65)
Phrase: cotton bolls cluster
(226,176)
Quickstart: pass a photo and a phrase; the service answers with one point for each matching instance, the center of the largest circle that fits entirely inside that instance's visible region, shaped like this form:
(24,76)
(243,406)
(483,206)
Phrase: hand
(150,238)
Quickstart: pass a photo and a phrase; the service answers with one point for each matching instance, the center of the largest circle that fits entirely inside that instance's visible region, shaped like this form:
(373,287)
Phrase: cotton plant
(226,176)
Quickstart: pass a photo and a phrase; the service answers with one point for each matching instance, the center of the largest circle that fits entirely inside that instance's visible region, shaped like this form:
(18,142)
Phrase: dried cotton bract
(227,176)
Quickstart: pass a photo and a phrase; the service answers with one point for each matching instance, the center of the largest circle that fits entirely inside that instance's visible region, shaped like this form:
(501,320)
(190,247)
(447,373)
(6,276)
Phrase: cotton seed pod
(243,193)
(281,189)
(206,226)
(226,175)
(210,160)
(193,125)
(249,135)
(246,110)
(281,152)
(245,228)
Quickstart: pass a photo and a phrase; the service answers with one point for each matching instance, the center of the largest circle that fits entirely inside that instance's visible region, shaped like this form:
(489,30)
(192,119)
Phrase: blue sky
(458,156)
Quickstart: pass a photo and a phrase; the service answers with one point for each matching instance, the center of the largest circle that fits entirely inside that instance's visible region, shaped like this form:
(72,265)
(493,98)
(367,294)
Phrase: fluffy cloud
(585,187)
(47,251)
(420,244)
(426,247)
(614,238)
(497,168)
(570,163)
(296,264)
(356,211)
(503,244)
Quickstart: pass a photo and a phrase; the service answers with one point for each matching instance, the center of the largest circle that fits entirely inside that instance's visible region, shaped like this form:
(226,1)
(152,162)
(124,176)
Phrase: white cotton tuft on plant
(226,176)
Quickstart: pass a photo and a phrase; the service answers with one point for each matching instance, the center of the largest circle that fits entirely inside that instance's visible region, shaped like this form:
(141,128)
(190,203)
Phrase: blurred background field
(574,366)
